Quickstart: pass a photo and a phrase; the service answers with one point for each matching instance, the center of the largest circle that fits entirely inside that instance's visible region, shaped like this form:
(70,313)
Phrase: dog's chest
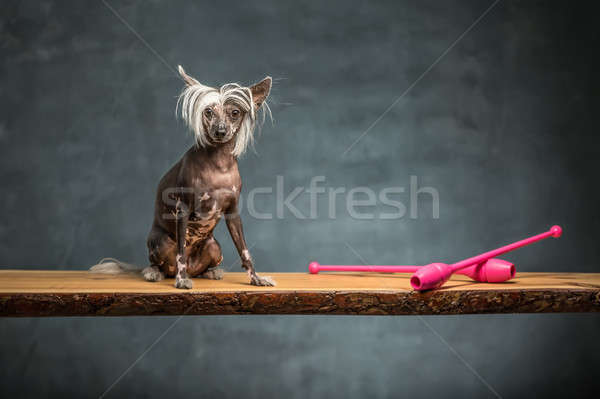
(204,219)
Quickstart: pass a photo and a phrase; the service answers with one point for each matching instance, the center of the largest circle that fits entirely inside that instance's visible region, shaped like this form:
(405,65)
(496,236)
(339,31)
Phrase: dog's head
(218,116)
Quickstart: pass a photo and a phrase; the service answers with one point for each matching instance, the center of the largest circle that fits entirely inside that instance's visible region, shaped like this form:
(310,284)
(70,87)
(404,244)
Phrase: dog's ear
(187,78)
(260,91)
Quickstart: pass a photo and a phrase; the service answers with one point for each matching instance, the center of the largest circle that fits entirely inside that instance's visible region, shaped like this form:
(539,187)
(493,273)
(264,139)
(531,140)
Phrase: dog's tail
(114,266)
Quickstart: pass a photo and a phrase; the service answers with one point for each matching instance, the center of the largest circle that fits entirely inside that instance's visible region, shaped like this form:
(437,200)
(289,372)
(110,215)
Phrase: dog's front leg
(181,220)
(234,225)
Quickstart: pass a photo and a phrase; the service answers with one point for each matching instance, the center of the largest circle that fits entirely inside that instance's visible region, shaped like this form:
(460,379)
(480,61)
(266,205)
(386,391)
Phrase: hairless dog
(203,186)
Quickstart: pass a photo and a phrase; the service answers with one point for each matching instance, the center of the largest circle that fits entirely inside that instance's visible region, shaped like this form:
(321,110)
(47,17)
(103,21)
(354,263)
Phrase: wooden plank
(79,293)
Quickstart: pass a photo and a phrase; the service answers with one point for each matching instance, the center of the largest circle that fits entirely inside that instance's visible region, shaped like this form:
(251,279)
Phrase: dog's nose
(221,130)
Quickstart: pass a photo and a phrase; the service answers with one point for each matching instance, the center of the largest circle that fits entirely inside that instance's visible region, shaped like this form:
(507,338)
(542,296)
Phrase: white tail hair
(196,97)
(114,266)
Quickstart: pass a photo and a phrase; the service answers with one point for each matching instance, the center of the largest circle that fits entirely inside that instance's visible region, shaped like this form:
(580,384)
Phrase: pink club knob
(313,267)
(556,231)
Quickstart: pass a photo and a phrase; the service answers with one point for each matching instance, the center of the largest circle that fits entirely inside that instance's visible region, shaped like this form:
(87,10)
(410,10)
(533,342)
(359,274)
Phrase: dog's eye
(208,112)
(235,113)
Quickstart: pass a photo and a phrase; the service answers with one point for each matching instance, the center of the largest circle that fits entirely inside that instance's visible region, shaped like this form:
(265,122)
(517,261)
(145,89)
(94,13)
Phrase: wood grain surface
(80,293)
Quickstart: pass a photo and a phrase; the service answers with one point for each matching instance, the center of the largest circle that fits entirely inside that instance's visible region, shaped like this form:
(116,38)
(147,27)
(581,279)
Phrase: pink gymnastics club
(481,267)
(490,271)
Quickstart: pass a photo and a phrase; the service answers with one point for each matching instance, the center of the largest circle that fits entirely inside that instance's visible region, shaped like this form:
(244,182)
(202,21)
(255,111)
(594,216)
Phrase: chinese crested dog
(204,186)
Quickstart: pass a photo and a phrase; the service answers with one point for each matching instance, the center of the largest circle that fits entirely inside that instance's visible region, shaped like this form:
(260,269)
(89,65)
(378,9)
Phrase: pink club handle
(315,267)
(555,231)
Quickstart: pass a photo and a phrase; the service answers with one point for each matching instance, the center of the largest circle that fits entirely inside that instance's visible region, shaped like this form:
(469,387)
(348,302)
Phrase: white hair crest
(195,98)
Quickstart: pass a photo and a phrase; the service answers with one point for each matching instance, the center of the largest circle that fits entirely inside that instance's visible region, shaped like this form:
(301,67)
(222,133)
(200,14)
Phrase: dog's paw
(264,281)
(213,274)
(183,283)
(152,273)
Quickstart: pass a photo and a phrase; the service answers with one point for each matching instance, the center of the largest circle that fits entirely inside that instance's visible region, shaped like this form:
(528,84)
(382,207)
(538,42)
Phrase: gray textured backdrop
(504,127)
